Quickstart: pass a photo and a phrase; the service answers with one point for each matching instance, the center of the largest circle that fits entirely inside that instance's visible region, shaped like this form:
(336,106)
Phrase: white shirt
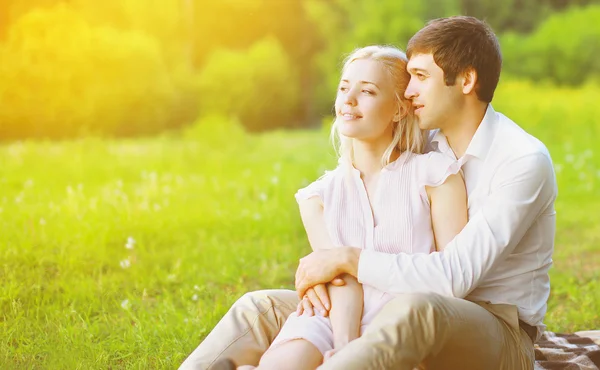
(505,251)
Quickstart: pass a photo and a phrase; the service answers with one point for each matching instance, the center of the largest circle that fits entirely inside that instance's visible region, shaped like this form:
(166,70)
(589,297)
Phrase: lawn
(122,253)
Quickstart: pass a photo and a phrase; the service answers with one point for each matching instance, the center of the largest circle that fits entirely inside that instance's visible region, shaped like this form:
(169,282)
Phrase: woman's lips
(350,116)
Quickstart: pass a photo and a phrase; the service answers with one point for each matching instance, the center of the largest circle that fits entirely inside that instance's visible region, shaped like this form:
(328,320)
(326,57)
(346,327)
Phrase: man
(480,303)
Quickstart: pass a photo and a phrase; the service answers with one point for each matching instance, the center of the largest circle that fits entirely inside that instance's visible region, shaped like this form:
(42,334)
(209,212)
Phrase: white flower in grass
(196,287)
(171,277)
(125,304)
(257,216)
(263,197)
(125,264)
(28,183)
(274,180)
(277,166)
(569,158)
(130,243)
(195,297)
(42,221)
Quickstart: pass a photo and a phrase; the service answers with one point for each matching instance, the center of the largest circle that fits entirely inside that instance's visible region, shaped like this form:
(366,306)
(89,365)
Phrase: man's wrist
(351,257)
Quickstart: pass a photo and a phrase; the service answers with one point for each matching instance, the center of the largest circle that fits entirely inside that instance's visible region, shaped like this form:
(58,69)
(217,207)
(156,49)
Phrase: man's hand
(324,265)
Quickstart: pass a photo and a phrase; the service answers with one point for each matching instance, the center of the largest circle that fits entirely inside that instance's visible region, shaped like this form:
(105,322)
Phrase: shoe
(224,364)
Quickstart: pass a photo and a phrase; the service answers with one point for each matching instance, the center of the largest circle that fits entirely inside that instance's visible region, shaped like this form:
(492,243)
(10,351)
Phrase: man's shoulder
(512,141)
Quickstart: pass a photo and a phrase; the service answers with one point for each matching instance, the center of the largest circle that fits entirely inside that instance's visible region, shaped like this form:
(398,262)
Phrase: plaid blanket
(578,351)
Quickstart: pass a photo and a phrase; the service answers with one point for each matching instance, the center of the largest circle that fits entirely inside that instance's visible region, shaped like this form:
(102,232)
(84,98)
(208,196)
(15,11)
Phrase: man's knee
(414,302)
(263,300)
(413,308)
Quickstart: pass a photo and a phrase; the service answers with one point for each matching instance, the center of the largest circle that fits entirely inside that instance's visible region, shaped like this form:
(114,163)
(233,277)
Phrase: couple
(398,278)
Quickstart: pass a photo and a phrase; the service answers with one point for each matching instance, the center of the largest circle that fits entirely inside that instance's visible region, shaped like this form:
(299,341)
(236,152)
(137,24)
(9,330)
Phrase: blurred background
(150,151)
(140,67)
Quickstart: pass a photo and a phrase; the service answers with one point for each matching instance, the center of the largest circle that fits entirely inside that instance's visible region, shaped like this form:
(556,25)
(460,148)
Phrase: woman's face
(365,105)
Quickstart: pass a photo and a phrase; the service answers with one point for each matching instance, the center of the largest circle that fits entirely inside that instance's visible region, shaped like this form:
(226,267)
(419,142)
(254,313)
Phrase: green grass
(212,214)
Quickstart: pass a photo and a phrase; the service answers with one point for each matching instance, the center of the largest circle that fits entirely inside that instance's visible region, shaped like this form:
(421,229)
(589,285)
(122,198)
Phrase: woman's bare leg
(297,354)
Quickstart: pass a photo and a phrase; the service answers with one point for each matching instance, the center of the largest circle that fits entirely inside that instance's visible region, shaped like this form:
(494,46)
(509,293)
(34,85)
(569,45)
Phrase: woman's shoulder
(320,186)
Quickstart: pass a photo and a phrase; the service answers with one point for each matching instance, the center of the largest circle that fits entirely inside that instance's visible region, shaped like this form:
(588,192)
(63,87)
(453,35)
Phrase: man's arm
(523,188)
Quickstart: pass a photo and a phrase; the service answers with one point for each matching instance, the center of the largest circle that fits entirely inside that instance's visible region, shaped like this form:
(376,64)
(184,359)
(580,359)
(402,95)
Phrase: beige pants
(427,331)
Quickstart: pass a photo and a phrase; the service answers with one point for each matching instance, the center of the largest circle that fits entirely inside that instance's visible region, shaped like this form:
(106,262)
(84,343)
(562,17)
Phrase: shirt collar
(480,143)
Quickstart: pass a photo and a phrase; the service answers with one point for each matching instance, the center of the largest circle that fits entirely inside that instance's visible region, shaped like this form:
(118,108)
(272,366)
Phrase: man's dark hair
(458,44)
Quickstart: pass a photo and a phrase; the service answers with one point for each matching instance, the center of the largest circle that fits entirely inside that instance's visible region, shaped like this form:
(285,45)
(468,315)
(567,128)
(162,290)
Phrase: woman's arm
(346,310)
(347,300)
(448,209)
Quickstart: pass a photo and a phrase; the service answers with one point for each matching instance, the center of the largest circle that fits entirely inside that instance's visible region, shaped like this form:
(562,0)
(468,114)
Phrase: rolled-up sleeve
(521,189)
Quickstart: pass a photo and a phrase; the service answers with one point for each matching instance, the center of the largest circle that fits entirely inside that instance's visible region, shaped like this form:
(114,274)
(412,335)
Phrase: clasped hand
(313,273)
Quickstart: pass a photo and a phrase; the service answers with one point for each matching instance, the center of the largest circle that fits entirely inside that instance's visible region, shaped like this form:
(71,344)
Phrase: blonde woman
(384,195)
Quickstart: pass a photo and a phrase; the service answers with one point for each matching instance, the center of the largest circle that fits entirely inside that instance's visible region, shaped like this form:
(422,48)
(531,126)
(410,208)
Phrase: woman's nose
(350,97)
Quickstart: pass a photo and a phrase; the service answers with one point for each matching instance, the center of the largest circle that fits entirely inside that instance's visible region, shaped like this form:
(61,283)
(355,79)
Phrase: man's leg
(436,332)
(246,331)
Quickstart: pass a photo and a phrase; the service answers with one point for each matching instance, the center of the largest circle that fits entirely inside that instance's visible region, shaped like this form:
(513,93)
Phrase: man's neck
(459,134)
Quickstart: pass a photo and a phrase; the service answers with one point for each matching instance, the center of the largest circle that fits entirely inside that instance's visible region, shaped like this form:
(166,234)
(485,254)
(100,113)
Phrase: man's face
(436,105)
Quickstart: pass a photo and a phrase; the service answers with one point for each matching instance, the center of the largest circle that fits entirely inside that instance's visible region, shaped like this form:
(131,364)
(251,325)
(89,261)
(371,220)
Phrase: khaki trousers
(425,331)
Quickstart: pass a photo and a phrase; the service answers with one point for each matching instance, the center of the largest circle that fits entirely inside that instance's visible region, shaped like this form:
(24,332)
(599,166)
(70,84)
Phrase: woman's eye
(369,92)
(343,89)
(420,76)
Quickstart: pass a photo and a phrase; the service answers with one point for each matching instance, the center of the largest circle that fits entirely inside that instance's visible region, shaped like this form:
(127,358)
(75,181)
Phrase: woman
(384,195)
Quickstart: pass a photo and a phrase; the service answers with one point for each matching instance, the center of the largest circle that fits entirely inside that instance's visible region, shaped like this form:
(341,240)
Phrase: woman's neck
(367,156)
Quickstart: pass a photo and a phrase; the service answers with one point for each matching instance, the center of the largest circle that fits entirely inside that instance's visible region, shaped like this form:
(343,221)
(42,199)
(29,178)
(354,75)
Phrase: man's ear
(469,81)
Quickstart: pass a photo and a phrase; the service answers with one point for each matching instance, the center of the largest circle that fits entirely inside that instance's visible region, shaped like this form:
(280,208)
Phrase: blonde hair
(407,136)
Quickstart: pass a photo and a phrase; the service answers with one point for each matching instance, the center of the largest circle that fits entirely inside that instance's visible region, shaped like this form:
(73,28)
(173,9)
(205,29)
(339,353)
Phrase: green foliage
(100,80)
(259,86)
(217,132)
(564,49)
(345,25)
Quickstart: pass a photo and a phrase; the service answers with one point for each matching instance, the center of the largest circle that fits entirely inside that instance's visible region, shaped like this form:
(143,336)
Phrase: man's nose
(410,91)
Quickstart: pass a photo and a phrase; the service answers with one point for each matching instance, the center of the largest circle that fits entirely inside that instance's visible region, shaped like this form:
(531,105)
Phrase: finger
(300,309)
(301,288)
(315,301)
(321,292)
(308,309)
(338,282)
